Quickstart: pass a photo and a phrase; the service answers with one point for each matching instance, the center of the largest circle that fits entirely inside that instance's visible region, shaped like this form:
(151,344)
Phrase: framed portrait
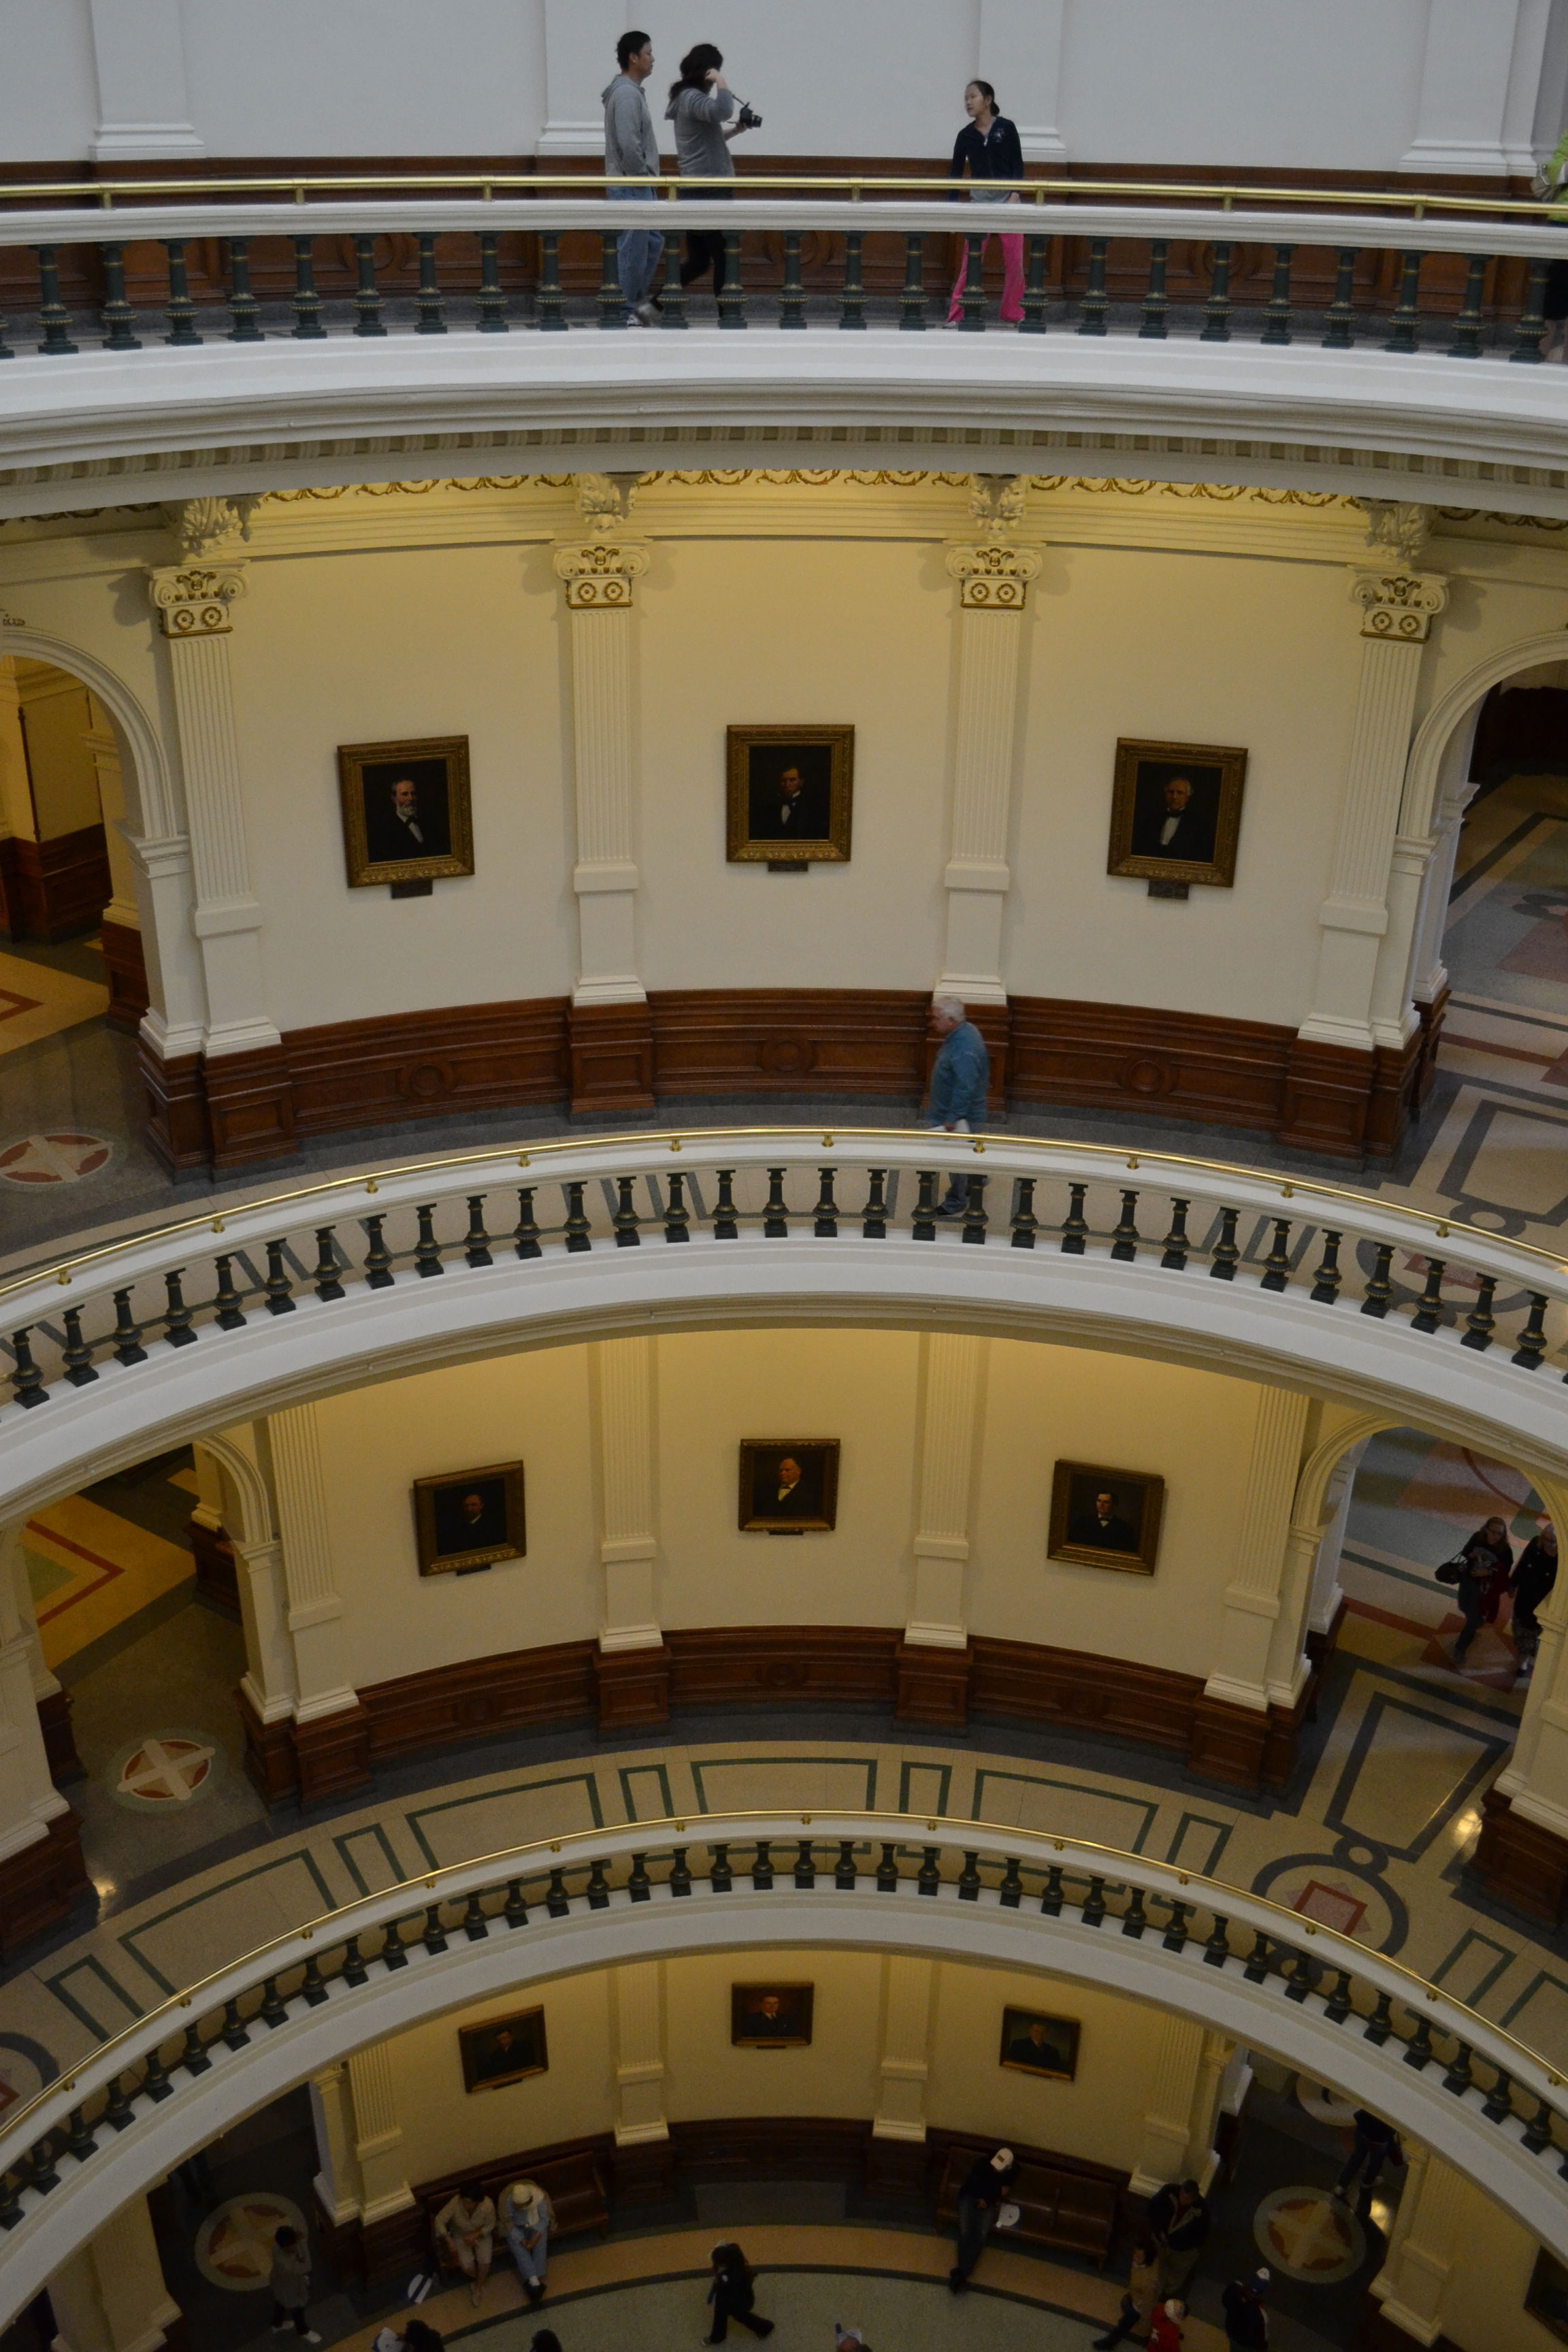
(1034,2043)
(789,1486)
(406,815)
(470,1518)
(1105,1519)
(1546,2297)
(504,2051)
(1175,812)
(770,2016)
(791,795)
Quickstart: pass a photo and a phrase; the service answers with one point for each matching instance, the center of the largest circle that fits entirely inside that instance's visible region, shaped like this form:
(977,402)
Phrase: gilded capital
(599,573)
(994,577)
(193,600)
(1400,605)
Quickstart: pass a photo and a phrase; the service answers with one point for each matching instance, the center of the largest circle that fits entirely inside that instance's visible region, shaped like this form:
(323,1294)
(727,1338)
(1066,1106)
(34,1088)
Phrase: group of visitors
(706,117)
(1484,1571)
(466,2226)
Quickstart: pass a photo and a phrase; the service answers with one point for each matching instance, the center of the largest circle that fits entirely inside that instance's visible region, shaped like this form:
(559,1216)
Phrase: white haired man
(959,1081)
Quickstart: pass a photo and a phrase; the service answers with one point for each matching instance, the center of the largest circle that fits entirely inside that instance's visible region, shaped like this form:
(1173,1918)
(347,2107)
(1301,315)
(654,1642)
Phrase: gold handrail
(1416,202)
(511,1862)
(62,1270)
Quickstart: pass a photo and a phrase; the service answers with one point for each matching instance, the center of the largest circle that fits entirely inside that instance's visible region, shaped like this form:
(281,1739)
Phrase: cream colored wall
(836,2076)
(1483,2296)
(56,715)
(1099,2116)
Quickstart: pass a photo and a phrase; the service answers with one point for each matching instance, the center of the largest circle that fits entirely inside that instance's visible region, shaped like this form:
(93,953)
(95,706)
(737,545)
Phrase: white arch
(250,1489)
(153,796)
(1312,1485)
(1423,768)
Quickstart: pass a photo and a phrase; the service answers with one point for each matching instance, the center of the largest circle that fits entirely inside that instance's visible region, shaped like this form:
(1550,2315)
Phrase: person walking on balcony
(1480,1578)
(704,111)
(1376,2143)
(1139,2301)
(959,1079)
(1178,2222)
(1532,1580)
(1552,179)
(631,151)
(988,146)
(733,2295)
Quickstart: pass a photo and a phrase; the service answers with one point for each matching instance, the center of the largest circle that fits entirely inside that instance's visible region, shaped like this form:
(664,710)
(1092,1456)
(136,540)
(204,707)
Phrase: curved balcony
(1146,329)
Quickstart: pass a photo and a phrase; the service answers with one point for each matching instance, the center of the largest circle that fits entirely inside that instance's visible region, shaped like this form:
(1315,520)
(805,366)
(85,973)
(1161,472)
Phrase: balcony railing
(1262,1973)
(112,263)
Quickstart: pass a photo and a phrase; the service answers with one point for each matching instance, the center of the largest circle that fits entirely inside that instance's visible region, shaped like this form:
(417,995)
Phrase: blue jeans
(637,250)
(530,2262)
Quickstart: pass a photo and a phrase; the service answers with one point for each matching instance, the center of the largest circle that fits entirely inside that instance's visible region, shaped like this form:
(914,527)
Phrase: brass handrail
(62,1270)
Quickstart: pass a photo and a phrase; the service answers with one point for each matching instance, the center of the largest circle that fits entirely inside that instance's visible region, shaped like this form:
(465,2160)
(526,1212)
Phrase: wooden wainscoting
(1151,1058)
(41,1884)
(423,1065)
(55,889)
(125,969)
(783,1041)
(1518,1862)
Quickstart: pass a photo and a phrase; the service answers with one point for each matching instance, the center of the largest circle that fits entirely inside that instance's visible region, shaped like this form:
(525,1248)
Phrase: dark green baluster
(1328,1280)
(792,292)
(676,1228)
(1339,318)
(1125,1239)
(428,317)
(354,1971)
(117,316)
(11,2184)
(1094,1910)
(476,1926)
(1034,319)
(598,1888)
(1276,311)
(927,1877)
(1074,1225)
(243,307)
(1092,310)
(922,1224)
(526,1236)
(1498,2107)
(1216,309)
(1380,2024)
(1532,1346)
(844,1872)
(679,1873)
(367,294)
(969,1879)
(492,318)
(1217,1947)
(1155,303)
(128,1348)
(1429,1312)
(155,2083)
(476,1241)
(77,1355)
(279,1288)
(1010,1893)
(577,1227)
(873,1221)
(235,2036)
(732,295)
(852,301)
(79,2141)
(1276,1272)
(428,1249)
(378,1273)
(825,1225)
(181,311)
(1379,1289)
(120,2112)
(762,1863)
(1467,343)
(1175,1937)
(434,1936)
(721,1877)
(1226,1256)
(804,1867)
(672,301)
(53,315)
(1481,1322)
(612,302)
(775,1223)
(310,1985)
(393,1954)
(1531,326)
(639,1886)
(41,2156)
(230,1314)
(971,301)
(1406,320)
(1298,1976)
(725,1228)
(624,1220)
(1051,1900)
(550,302)
(1135,1918)
(1538,2130)
(26,1379)
(887,1869)
(1418,2051)
(975,1217)
(1176,1244)
(558,1903)
(326,1277)
(1337,2007)
(913,300)
(1025,1224)
(1460,2076)
(307,303)
(177,1316)
(514,1910)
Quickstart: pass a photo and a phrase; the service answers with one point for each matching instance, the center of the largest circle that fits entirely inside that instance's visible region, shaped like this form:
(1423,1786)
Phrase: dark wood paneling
(56,889)
(270,1764)
(480,1698)
(631,1688)
(250,1106)
(331,1754)
(1146,1057)
(125,969)
(1432,1016)
(1327,1100)
(718,1665)
(770,2147)
(423,1065)
(611,1048)
(1112,1696)
(1227,1744)
(59,1739)
(1518,1862)
(10,889)
(395,2246)
(40,1885)
(216,1580)
(782,1041)
(934,1686)
(1376,2333)
(178,1134)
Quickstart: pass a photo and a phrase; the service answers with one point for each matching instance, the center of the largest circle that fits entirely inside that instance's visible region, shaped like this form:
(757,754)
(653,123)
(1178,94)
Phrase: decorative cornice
(599,573)
(193,601)
(994,577)
(1400,605)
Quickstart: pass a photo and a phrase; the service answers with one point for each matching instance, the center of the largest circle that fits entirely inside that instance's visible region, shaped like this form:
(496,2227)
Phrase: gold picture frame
(379,845)
(1125,1537)
(445,1515)
(771,2016)
(1036,2043)
(789,1486)
(505,2050)
(1147,795)
(759,762)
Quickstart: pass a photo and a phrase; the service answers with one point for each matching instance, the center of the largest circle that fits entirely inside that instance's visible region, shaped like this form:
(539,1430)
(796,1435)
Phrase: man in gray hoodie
(631,151)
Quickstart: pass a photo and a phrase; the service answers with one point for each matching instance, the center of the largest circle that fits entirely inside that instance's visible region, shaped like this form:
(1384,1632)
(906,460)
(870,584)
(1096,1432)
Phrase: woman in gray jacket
(703,109)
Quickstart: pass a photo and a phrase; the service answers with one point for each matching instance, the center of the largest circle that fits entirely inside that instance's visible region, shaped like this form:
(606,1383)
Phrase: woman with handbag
(1479,1575)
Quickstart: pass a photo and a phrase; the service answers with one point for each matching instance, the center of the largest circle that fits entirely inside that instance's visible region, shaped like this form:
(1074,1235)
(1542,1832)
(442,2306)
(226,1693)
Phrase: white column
(139,54)
(1169,2089)
(579,39)
(1324,1597)
(623,1373)
(111,2295)
(268,1681)
(293,1450)
(337,2184)
(994,585)
(1535,1779)
(175,1022)
(908,1986)
(1253,1598)
(1397,608)
(105,752)
(378,2135)
(1020,54)
(28,1798)
(12,1558)
(17,815)
(1481,58)
(598,574)
(636,1994)
(193,602)
(1426,2233)
(951,1384)
(1200,2163)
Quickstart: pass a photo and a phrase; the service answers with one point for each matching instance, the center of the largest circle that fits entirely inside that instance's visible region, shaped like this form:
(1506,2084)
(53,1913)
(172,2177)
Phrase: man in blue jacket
(958,1086)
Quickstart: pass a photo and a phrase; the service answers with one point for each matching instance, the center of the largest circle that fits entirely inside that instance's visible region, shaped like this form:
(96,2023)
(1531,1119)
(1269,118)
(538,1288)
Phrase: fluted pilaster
(952,1374)
(1252,1601)
(993,579)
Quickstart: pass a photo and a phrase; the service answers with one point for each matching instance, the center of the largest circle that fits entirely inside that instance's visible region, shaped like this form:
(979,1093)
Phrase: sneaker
(951,1208)
(645,314)
(310,2336)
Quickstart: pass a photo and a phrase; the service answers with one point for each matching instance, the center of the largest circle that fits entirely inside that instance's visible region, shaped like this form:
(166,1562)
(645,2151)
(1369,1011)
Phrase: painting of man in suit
(1038,2044)
(790,791)
(789,1487)
(503,2051)
(1105,1519)
(1174,815)
(470,1518)
(1177,812)
(406,811)
(771,2016)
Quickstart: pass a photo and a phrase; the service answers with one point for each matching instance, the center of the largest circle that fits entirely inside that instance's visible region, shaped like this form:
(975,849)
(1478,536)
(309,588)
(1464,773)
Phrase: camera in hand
(748,118)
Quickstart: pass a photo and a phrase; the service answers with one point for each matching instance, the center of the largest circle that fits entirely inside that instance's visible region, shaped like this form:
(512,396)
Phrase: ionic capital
(1399,605)
(193,600)
(598,573)
(994,577)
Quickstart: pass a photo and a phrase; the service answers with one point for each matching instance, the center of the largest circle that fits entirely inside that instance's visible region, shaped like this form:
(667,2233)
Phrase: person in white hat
(986,2185)
(526,2214)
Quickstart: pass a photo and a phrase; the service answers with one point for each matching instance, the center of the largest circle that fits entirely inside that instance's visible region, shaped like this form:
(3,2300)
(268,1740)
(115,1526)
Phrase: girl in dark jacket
(733,2295)
(1486,1562)
(1530,1582)
(988,147)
